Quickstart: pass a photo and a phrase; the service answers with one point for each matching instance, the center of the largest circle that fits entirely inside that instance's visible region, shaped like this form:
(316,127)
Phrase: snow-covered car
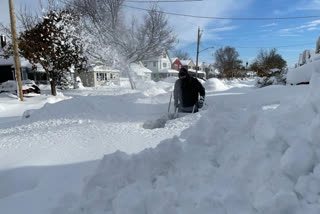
(28,87)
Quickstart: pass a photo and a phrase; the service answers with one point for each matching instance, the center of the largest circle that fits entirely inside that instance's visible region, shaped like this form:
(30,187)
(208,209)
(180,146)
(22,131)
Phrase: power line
(162,1)
(227,18)
(284,46)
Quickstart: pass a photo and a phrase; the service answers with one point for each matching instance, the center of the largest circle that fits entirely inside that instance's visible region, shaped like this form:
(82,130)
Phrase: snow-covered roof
(168,70)
(4,61)
(25,63)
(186,62)
(139,68)
(194,71)
(10,61)
(174,59)
(103,68)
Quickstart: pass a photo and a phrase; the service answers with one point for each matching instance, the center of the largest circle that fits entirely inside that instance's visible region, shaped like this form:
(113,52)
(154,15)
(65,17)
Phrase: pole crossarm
(206,49)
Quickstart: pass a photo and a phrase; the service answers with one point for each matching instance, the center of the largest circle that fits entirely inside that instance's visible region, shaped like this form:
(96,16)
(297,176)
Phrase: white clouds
(310,5)
(222,29)
(186,27)
(4,9)
(310,25)
(296,31)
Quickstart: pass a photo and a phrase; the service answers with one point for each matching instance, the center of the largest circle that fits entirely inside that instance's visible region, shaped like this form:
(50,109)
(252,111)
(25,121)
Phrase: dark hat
(183,72)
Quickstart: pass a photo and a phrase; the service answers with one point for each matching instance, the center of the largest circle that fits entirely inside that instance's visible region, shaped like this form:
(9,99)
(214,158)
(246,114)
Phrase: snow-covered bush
(270,67)
(275,77)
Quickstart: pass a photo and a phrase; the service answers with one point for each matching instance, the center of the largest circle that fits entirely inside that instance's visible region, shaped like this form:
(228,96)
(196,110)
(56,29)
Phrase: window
(154,64)
(164,55)
(101,77)
(164,65)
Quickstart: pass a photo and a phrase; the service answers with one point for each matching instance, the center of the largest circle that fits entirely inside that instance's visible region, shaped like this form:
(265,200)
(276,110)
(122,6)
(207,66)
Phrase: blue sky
(245,36)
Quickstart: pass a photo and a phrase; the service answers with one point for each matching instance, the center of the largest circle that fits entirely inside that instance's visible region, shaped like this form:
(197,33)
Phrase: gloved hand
(200,102)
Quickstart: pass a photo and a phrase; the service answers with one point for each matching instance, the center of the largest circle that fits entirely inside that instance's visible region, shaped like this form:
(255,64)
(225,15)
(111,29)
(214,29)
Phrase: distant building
(158,63)
(189,64)
(98,74)
(176,64)
(141,71)
(7,71)
(164,73)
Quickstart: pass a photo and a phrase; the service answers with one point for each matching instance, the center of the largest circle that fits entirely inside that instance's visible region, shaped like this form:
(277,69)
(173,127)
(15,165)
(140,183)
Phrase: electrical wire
(227,18)
(161,1)
(278,47)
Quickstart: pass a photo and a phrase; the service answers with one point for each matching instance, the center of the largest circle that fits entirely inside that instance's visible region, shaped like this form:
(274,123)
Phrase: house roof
(103,68)
(139,68)
(168,70)
(4,61)
(185,62)
(194,71)
(10,61)
(174,59)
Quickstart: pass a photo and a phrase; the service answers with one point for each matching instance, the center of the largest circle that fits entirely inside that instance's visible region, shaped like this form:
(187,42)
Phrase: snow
(302,74)
(252,151)
(170,71)
(139,68)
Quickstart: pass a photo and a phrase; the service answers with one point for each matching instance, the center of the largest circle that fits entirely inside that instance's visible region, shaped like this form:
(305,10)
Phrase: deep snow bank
(303,73)
(215,84)
(242,160)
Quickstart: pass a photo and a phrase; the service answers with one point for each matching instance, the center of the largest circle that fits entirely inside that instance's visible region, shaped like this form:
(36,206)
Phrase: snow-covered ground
(251,151)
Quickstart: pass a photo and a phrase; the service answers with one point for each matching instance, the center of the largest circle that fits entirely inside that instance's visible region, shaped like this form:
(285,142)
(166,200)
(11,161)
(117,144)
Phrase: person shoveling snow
(186,92)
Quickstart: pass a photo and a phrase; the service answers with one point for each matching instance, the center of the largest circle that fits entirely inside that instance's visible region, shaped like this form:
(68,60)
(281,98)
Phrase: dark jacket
(187,91)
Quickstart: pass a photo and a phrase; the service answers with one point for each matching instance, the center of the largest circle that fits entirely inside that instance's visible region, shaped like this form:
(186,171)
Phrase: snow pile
(308,62)
(303,73)
(215,84)
(10,106)
(78,83)
(253,161)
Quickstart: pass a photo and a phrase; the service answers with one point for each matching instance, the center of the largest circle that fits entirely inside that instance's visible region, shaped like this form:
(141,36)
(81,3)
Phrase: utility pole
(198,44)
(15,48)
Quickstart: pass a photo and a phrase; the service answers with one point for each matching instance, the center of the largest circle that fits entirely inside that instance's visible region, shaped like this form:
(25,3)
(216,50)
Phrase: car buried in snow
(29,87)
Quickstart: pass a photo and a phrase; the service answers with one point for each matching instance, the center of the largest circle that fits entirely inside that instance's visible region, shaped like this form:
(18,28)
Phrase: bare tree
(270,67)
(227,62)
(181,54)
(110,39)
(267,60)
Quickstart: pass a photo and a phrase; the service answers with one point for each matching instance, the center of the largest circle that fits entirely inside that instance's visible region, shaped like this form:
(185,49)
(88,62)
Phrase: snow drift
(215,84)
(256,160)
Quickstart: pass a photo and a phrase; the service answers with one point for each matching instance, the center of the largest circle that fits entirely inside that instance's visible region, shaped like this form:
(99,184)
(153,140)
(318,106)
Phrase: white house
(98,75)
(199,74)
(164,73)
(141,71)
(158,63)
(188,63)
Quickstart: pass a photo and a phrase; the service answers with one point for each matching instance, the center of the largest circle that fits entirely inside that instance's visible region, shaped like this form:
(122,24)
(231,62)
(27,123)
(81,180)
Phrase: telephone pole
(198,44)
(15,48)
